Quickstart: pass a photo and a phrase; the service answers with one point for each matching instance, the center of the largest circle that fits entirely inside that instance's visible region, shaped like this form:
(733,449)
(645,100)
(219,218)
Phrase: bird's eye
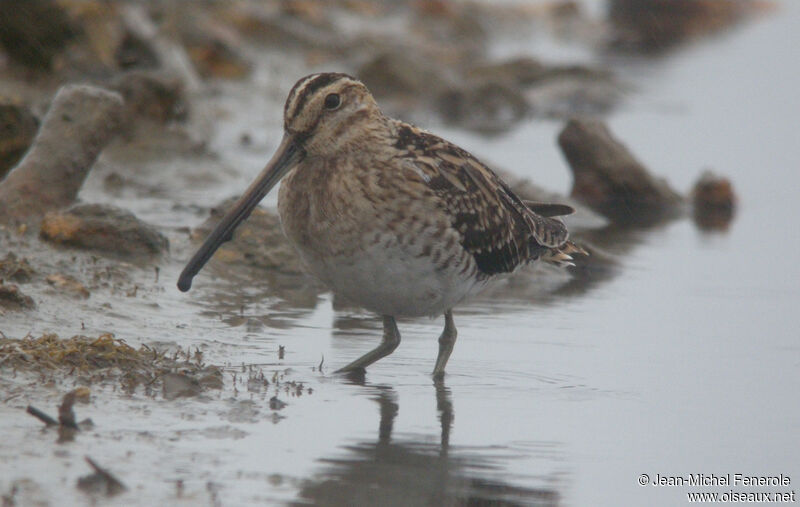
(332,101)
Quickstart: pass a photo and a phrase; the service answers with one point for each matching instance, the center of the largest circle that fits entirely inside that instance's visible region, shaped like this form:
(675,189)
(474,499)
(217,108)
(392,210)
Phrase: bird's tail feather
(562,256)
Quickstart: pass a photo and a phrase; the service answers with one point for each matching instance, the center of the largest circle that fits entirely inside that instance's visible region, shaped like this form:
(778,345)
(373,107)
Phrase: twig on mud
(35,412)
(66,416)
(101,475)
(320,363)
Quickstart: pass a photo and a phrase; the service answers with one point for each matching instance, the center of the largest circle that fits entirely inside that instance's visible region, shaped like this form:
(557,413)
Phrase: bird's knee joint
(447,338)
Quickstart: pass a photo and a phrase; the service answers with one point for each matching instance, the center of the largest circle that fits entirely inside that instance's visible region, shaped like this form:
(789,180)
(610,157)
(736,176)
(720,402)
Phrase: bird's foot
(356,375)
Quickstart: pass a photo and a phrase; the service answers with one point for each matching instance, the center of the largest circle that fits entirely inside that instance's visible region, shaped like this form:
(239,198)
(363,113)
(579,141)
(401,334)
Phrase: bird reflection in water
(406,471)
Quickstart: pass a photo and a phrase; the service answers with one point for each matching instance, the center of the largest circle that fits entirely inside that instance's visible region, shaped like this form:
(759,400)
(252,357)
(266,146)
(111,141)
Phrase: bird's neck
(365,138)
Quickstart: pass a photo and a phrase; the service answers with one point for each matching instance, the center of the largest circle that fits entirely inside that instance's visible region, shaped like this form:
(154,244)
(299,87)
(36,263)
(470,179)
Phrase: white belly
(392,281)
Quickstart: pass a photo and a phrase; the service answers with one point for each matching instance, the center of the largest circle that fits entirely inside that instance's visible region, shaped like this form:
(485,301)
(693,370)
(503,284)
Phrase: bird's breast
(319,210)
(374,240)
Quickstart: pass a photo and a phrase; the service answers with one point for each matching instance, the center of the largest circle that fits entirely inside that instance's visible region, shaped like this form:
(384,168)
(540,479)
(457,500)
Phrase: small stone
(284,30)
(177,385)
(714,202)
(135,52)
(12,299)
(101,482)
(656,25)
(559,91)
(103,228)
(212,379)
(216,52)
(101,32)
(522,71)
(487,107)
(453,23)
(33,34)
(258,242)
(152,95)
(276,404)
(68,284)
(395,73)
(17,129)
(17,270)
(566,92)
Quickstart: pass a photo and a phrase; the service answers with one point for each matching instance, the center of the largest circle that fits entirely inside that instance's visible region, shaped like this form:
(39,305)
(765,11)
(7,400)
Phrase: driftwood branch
(80,122)
(610,179)
(35,412)
(100,479)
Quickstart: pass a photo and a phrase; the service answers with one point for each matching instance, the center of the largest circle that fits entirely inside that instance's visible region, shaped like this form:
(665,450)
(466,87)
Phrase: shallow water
(684,360)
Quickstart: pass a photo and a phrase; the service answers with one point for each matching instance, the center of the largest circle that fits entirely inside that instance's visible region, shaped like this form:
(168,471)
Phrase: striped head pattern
(329,113)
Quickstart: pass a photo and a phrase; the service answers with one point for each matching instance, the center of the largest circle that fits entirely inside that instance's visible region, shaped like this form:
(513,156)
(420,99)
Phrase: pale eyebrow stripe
(309,87)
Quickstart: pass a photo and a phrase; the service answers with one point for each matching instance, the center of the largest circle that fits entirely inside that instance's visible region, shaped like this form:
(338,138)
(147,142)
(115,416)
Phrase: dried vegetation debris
(105,358)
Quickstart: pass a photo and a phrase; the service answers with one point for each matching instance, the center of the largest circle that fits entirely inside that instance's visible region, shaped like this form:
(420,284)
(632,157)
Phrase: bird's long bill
(286,157)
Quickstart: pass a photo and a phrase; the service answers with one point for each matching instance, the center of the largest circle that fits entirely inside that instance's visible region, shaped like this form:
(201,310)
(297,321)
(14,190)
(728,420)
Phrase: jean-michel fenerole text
(721,480)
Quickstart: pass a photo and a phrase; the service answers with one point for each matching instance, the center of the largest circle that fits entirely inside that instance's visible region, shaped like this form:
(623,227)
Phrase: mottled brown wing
(495,225)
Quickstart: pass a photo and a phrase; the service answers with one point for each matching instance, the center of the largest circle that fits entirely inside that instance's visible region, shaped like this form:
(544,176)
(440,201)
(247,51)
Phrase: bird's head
(330,113)
(325,115)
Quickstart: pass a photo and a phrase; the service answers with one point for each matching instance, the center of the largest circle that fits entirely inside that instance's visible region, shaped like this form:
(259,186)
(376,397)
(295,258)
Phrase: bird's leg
(444,405)
(446,342)
(391,339)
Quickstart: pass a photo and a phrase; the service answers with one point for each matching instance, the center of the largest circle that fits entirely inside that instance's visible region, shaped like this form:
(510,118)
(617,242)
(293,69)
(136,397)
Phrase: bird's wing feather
(547,209)
(495,225)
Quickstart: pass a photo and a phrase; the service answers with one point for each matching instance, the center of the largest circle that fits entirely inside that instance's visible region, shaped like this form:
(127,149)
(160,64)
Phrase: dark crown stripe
(305,88)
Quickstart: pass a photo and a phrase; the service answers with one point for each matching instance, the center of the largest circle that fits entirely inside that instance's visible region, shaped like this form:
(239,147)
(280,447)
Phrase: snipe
(393,218)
